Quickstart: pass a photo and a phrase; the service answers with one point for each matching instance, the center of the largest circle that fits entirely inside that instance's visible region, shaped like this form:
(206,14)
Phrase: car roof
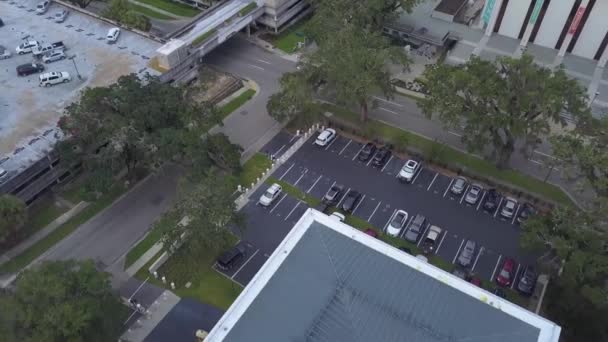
(113,29)
(411,163)
(274,187)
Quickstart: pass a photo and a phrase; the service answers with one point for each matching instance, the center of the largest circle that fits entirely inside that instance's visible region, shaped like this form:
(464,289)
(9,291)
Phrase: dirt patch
(212,84)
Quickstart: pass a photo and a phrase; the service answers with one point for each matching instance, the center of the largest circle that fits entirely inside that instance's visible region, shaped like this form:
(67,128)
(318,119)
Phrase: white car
(337,216)
(51,78)
(4,53)
(112,35)
(325,137)
(3,175)
(26,47)
(42,7)
(508,209)
(61,16)
(271,195)
(53,56)
(409,170)
(397,223)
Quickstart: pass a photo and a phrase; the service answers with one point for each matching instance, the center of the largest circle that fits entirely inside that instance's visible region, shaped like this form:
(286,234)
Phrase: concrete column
(603,59)
(491,9)
(526,38)
(493,17)
(574,26)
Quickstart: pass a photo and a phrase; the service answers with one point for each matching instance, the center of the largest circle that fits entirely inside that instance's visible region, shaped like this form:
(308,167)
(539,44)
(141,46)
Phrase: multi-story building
(280,13)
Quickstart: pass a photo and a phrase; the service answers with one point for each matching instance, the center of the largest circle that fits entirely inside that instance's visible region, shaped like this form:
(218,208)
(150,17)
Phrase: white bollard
(298,132)
(239,188)
(252,185)
(267,170)
(257,180)
(155,275)
(172,286)
(164,280)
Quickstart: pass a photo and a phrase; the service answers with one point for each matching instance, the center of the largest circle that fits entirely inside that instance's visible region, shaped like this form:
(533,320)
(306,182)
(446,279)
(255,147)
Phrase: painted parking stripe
(292,210)
(372,158)
(225,276)
(385,165)
(245,263)
(448,188)
(441,242)
(331,143)
(344,148)
(477,259)
(464,194)
(516,212)
(416,176)
(279,202)
(405,228)
(279,150)
(498,207)
(293,138)
(343,197)
(286,172)
(481,200)
(433,181)
(458,251)
(495,268)
(358,204)
(332,185)
(315,183)
(389,220)
(388,110)
(373,212)
(301,176)
(428,225)
(361,149)
(515,276)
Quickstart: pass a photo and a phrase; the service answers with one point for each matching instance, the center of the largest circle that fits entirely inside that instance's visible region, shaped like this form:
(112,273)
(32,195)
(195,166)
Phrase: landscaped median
(236,102)
(201,39)
(174,7)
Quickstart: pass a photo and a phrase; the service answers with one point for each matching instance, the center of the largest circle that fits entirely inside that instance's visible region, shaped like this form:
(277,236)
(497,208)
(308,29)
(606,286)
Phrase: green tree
(81,3)
(294,99)
(62,301)
(13,214)
(502,103)
(120,11)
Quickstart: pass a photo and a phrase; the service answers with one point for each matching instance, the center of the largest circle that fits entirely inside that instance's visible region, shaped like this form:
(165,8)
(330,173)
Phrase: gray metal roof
(333,288)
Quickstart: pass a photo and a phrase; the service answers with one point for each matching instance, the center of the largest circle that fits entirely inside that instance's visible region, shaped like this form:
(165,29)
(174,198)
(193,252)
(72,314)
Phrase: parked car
(409,170)
(41,49)
(4,53)
(367,152)
(350,201)
(492,200)
(42,7)
(527,281)
(53,56)
(383,155)
(325,137)
(230,258)
(431,240)
(333,195)
(26,47)
(459,186)
(415,228)
(54,77)
(397,223)
(112,35)
(371,232)
(273,192)
(475,281)
(526,211)
(473,194)
(505,276)
(30,68)
(61,16)
(467,253)
(1,23)
(337,216)
(508,208)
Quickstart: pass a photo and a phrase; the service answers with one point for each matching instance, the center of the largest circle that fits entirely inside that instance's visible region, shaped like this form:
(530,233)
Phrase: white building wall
(593,32)
(514,17)
(555,18)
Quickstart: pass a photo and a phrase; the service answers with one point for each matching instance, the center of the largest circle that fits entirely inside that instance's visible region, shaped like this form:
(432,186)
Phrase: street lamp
(75,67)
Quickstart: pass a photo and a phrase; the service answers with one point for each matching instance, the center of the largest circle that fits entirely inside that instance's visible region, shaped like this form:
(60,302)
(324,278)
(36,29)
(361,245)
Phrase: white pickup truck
(43,49)
(27,46)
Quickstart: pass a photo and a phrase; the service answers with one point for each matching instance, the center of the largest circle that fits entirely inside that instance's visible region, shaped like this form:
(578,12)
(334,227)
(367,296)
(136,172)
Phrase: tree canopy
(502,104)
(13,214)
(61,301)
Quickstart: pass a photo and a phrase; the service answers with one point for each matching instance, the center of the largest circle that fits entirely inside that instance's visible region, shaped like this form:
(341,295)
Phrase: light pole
(75,67)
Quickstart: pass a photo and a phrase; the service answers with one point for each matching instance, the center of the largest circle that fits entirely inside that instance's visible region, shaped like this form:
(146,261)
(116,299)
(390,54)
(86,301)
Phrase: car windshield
(268,194)
(459,183)
(397,220)
(474,191)
(504,274)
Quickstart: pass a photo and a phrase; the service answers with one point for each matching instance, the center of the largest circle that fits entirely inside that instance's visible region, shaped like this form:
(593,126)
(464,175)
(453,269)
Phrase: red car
(506,272)
(371,232)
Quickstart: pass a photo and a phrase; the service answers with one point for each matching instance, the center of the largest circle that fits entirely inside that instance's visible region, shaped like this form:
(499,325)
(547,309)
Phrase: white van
(112,35)
(50,78)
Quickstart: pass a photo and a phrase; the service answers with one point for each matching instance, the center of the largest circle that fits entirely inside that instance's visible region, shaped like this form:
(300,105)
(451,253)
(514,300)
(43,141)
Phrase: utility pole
(75,67)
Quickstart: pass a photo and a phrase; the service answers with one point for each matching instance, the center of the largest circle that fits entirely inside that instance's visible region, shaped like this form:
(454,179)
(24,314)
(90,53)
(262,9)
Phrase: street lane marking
(279,202)
(441,242)
(343,197)
(255,66)
(416,176)
(293,138)
(372,158)
(536,162)
(279,150)
(516,212)
(292,165)
(385,165)
(515,276)
(458,252)
(477,259)
(302,175)
(388,110)
(373,212)
(464,193)
(454,133)
(243,265)
(263,61)
(292,210)
(544,154)
(448,188)
(407,225)
(358,152)
(433,181)
(498,207)
(358,204)
(422,237)
(495,267)
(389,220)
(387,101)
(315,183)
(331,142)
(481,200)
(344,148)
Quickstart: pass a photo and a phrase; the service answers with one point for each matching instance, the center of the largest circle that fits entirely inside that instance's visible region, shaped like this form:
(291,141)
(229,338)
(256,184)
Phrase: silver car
(42,7)
(459,185)
(467,253)
(473,194)
(61,16)
(53,56)
(4,53)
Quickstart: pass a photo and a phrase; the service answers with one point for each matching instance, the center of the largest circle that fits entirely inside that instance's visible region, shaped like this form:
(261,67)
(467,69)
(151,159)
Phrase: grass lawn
(288,40)
(150,13)
(235,103)
(452,156)
(176,8)
(253,169)
(142,247)
(295,192)
(44,215)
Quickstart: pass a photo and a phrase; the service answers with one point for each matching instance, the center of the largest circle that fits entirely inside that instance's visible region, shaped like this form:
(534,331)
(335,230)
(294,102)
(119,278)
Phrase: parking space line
(344,148)
(293,138)
(286,172)
(326,192)
(515,276)
(361,149)
(331,142)
(370,159)
(433,181)
(498,207)
(343,197)
(389,220)
(279,202)
(515,215)
(405,228)
(315,183)
(481,200)
(387,101)
(458,251)
(448,188)
(292,210)
(388,110)
(423,234)
(226,276)
(279,150)
(441,242)
(476,259)
(464,194)
(301,176)
(245,263)
(358,204)
(385,165)
(416,176)
(495,267)
(373,212)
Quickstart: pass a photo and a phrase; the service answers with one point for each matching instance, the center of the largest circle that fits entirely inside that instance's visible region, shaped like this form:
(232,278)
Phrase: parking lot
(314,170)
(25,108)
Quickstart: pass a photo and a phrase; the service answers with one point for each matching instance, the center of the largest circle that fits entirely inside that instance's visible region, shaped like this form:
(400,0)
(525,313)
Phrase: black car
(1,23)
(367,152)
(526,211)
(230,258)
(527,281)
(30,68)
(351,200)
(334,194)
(492,201)
(382,156)
(414,230)
(499,292)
